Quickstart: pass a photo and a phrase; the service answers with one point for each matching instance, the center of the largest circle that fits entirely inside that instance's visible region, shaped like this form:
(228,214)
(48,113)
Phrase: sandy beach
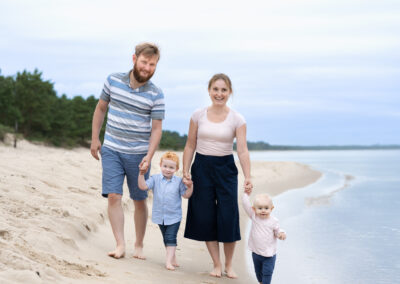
(54,226)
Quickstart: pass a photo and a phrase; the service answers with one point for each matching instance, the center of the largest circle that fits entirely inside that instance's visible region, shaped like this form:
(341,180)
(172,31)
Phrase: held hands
(248,186)
(144,165)
(188,183)
(95,147)
(187,180)
(282,236)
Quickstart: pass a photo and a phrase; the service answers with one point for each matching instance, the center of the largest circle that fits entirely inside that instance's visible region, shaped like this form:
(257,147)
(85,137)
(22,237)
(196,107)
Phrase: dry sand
(54,226)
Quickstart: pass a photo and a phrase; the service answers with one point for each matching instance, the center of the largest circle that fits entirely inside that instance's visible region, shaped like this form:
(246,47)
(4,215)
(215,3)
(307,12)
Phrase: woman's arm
(190,147)
(243,154)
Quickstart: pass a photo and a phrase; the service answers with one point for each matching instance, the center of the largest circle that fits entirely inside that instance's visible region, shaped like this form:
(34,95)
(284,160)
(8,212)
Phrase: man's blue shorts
(116,166)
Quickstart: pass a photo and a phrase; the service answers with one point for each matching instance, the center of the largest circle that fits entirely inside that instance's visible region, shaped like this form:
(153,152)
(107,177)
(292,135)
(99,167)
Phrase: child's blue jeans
(169,233)
(264,267)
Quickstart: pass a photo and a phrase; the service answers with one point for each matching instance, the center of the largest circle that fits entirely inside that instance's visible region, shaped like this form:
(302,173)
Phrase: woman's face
(219,92)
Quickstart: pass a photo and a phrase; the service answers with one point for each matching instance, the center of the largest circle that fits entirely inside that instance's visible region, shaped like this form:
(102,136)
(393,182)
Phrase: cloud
(292,62)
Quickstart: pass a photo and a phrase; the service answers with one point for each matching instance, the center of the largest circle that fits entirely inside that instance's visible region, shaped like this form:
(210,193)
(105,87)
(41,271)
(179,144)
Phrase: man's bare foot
(119,252)
(169,266)
(138,253)
(216,272)
(230,273)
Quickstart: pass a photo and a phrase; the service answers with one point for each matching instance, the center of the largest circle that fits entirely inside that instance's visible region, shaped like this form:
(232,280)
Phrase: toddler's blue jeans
(264,267)
(169,233)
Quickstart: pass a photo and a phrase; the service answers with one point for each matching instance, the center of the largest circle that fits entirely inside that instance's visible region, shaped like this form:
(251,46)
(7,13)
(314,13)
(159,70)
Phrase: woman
(213,214)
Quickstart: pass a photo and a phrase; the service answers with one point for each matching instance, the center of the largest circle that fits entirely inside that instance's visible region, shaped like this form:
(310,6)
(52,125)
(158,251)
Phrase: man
(133,132)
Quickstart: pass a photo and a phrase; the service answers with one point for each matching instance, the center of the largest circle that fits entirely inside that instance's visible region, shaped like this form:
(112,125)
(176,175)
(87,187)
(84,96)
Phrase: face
(144,67)
(263,208)
(219,92)
(168,168)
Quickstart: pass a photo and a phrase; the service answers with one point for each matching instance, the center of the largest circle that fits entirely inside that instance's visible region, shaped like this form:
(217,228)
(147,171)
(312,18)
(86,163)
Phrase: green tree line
(30,103)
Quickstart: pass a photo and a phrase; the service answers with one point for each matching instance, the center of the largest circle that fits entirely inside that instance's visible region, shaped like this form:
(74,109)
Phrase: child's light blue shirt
(167,200)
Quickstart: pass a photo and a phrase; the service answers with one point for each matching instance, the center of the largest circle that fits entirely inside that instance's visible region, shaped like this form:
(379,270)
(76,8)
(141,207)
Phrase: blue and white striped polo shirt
(130,112)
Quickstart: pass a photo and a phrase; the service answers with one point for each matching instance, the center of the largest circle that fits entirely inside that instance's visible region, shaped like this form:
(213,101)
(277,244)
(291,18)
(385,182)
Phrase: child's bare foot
(119,252)
(138,253)
(230,273)
(169,266)
(216,272)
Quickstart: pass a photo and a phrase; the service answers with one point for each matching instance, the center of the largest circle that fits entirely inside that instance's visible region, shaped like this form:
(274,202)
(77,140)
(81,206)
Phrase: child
(167,213)
(263,234)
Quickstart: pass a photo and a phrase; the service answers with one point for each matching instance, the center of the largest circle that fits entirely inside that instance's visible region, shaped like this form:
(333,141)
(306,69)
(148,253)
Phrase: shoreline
(54,224)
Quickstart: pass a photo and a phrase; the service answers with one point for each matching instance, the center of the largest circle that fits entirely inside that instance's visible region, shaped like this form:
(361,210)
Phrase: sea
(344,228)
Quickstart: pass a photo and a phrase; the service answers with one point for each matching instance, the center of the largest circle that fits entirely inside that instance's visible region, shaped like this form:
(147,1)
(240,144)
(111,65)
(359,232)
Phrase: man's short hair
(171,156)
(147,49)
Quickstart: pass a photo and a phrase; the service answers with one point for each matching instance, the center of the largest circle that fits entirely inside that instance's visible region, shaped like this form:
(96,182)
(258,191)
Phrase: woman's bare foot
(230,273)
(169,266)
(119,252)
(174,262)
(138,253)
(216,272)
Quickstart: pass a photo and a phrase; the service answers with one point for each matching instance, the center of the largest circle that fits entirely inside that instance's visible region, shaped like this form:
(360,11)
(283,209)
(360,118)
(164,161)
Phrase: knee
(140,205)
(267,270)
(114,199)
(170,240)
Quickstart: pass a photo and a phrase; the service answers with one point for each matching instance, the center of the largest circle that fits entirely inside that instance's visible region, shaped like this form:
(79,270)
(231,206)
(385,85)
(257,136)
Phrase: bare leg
(174,262)
(229,249)
(140,218)
(170,257)
(116,217)
(213,249)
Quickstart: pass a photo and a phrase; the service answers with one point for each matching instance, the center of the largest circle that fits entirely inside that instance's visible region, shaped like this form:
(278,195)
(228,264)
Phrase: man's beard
(139,78)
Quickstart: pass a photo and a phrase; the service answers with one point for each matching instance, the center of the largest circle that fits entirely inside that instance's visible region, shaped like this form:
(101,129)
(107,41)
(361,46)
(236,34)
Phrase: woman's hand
(187,179)
(248,186)
(187,175)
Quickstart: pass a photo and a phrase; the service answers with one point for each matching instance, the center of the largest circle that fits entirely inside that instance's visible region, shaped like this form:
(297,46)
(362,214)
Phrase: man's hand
(144,164)
(282,236)
(95,147)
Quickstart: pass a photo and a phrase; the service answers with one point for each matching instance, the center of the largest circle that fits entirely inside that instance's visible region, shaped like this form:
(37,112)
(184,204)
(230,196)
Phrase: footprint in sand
(4,234)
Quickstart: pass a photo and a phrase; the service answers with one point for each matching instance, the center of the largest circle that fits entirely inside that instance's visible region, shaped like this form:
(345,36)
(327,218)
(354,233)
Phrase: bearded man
(133,131)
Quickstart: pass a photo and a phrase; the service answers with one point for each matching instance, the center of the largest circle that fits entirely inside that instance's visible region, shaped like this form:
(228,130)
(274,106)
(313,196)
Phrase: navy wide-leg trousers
(213,213)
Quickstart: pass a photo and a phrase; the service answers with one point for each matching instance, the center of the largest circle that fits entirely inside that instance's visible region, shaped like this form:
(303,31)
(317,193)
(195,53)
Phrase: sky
(304,72)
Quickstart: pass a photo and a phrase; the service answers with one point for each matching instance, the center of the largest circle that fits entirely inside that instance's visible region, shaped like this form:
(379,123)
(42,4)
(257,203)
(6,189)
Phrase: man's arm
(97,123)
(155,137)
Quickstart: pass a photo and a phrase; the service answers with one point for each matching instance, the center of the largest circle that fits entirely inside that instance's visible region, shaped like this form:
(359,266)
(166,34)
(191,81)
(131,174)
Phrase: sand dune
(54,226)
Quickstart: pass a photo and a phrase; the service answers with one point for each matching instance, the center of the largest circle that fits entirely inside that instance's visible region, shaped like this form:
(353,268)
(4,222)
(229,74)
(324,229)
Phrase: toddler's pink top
(263,232)
(216,138)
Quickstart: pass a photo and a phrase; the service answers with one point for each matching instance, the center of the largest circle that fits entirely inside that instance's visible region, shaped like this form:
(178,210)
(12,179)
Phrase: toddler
(167,192)
(263,235)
